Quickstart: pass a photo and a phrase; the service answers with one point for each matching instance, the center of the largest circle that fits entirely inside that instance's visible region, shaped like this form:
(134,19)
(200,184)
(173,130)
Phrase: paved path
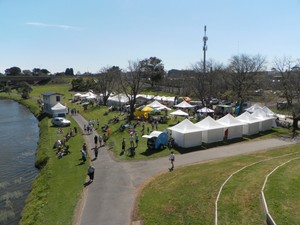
(110,198)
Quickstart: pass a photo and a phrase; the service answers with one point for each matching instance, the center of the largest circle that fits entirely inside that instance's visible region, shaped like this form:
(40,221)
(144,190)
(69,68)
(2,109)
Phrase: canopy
(184,104)
(268,111)
(212,130)
(158,139)
(155,104)
(142,111)
(89,95)
(59,110)
(186,134)
(77,95)
(179,113)
(117,100)
(58,107)
(205,110)
(234,126)
(251,125)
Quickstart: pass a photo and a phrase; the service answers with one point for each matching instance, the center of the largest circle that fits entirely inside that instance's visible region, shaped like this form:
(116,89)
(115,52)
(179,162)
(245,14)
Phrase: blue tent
(157,139)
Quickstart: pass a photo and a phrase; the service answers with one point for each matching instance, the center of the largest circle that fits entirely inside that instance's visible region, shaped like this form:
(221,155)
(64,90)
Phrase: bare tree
(105,84)
(207,84)
(243,71)
(289,78)
(131,83)
(289,71)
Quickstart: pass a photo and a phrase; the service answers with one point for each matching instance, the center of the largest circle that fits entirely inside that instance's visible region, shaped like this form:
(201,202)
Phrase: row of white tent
(187,134)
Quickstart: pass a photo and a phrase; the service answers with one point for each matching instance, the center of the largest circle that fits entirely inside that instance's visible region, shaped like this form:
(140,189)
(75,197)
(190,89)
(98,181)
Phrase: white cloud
(60,26)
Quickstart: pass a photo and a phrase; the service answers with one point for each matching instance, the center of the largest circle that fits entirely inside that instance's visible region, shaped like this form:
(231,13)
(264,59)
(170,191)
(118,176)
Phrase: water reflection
(18,144)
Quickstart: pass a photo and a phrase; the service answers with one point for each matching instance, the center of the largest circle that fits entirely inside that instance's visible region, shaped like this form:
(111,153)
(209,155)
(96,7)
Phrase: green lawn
(187,195)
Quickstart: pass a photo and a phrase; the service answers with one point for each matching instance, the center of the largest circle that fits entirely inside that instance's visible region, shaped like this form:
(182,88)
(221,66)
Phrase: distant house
(51,99)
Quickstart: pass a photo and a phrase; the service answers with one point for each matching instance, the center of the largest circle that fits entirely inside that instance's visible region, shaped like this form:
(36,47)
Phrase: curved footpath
(110,198)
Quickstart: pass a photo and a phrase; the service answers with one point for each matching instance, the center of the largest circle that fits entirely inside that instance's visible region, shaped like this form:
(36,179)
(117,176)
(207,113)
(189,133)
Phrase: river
(19,135)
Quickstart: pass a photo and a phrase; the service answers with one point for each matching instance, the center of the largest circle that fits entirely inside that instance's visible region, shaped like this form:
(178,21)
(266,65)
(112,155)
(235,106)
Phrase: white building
(50,99)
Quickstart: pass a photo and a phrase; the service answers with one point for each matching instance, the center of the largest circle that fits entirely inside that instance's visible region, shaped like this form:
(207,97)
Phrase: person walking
(83,156)
(96,140)
(100,140)
(91,173)
(172,159)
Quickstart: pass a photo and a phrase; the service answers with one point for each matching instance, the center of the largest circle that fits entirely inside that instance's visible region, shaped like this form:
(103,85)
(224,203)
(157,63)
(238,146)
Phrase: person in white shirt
(172,159)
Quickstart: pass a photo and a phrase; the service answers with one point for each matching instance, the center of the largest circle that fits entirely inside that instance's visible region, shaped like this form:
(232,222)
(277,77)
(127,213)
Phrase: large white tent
(117,100)
(234,126)
(184,105)
(89,95)
(212,130)
(266,122)
(186,134)
(251,125)
(59,110)
(157,105)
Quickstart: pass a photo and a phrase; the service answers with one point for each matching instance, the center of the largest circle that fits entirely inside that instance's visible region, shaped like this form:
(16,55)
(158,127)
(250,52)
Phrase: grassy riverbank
(58,187)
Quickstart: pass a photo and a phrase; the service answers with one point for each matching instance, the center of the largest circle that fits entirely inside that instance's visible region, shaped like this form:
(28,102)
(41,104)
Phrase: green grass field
(188,195)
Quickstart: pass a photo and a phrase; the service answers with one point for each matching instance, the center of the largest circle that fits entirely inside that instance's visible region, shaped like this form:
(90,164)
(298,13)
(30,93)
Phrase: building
(51,99)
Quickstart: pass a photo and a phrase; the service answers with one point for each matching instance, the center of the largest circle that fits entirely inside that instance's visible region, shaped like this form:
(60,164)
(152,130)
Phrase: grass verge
(187,195)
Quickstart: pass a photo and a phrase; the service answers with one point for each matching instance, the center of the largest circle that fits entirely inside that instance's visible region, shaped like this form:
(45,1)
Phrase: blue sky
(90,34)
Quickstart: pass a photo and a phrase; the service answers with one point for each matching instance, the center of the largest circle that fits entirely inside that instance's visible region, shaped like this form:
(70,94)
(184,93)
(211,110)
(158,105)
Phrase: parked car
(214,101)
(61,122)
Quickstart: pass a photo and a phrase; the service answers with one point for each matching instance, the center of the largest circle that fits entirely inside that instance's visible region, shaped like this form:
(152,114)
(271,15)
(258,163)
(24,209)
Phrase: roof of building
(49,93)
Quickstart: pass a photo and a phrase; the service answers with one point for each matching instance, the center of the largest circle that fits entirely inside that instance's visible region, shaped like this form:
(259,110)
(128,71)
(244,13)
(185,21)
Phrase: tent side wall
(212,135)
(192,139)
(235,131)
(251,128)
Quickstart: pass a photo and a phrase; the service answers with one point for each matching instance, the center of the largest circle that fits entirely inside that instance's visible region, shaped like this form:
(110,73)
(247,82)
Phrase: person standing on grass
(172,159)
(91,173)
(123,145)
(131,141)
(136,139)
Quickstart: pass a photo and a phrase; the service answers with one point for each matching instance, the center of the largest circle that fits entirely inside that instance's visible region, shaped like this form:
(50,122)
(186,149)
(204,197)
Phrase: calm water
(19,135)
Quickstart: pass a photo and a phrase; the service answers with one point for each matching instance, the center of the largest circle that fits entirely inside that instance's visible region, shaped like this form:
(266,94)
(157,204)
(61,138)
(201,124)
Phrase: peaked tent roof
(184,104)
(260,113)
(179,113)
(185,126)
(58,106)
(247,117)
(155,104)
(268,111)
(209,123)
(252,108)
(230,120)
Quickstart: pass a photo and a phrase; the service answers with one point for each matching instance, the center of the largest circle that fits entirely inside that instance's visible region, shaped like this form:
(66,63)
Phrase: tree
(69,72)
(13,71)
(153,69)
(131,83)
(289,78)
(289,84)
(106,81)
(24,89)
(242,73)
(205,85)
(40,72)
(78,84)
